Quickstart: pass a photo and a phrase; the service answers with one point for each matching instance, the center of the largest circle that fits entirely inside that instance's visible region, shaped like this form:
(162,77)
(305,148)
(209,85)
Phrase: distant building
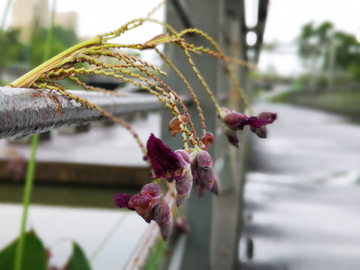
(67,20)
(26,12)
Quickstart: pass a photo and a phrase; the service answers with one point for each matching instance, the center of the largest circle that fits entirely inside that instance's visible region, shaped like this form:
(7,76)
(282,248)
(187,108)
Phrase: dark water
(302,195)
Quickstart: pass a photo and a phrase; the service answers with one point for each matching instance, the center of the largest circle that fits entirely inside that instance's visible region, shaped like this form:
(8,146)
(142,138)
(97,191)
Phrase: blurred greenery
(11,48)
(61,40)
(14,53)
(317,44)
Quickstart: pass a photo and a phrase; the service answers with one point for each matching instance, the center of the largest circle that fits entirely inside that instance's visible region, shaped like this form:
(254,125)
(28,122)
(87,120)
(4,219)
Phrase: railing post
(214,220)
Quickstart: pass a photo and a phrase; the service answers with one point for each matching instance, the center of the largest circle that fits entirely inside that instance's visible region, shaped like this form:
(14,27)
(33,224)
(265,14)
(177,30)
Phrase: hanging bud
(231,136)
(163,217)
(146,200)
(204,169)
(184,185)
(174,124)
(143,202)
(207,138)
(234,121)
(231,118)
(261,132)
(216,185)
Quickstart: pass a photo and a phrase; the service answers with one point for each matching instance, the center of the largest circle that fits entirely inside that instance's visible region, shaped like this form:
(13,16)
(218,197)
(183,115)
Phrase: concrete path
(302,195)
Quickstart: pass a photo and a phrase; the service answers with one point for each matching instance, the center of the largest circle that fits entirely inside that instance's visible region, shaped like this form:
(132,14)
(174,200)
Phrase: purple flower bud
(231,136)
(270,117)
(204,170)
(234,121)
(216,185)
(184,185)
(231,118)
(162,215)
(261,132)
(252,121)
(146,200)
(165,161)
(122,200)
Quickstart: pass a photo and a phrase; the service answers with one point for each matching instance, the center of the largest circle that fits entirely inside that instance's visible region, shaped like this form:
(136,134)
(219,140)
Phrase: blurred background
(301,189)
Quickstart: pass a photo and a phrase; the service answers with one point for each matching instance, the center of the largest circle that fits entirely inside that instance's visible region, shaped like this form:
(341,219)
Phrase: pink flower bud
(216,185)
(232,118)
(184,185)
(163,217)
(146,200)
(260,132)
(231,136)
(269,117)
(204,169)
(207,138)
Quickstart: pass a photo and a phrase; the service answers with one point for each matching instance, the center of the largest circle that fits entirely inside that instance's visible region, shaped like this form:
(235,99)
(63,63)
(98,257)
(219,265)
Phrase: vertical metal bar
(201,247)
(215,221)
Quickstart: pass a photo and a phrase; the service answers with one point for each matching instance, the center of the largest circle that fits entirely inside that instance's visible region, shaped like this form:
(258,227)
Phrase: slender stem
(32,164)
(50,33)
(188,87)
(27,79)
(26,201)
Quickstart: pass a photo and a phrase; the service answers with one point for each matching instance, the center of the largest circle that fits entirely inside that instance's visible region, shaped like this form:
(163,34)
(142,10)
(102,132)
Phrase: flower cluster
(149,204)
(186,168)
(234,121)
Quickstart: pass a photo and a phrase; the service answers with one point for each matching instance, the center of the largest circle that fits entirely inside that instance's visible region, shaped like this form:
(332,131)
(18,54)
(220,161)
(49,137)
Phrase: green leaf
(34,257)
(78,260)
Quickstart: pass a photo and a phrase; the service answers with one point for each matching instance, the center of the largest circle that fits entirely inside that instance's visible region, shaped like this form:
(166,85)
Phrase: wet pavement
(302,198)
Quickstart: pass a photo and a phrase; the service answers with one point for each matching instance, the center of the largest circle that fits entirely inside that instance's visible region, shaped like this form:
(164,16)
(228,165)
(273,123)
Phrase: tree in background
(62,39)
(347,55)
(324,48)
(11,48)
(14,53)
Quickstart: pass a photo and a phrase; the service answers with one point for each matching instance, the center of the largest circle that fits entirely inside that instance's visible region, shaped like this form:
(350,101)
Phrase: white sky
(284,21)
(287,16)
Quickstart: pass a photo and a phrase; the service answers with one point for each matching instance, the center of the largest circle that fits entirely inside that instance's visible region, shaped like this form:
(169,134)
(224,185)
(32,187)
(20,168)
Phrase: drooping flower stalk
(233,78)
(188,87)
(96,89)
(88,104)
(92,60)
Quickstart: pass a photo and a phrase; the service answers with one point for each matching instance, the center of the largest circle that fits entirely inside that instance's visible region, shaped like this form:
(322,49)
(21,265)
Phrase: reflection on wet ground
(301,196)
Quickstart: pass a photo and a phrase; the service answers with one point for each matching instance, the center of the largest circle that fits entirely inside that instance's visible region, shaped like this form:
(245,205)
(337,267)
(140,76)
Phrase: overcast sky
(284,20)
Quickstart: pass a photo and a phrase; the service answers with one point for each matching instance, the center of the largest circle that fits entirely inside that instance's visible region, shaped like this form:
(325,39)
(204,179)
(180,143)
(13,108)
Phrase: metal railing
(27,111)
